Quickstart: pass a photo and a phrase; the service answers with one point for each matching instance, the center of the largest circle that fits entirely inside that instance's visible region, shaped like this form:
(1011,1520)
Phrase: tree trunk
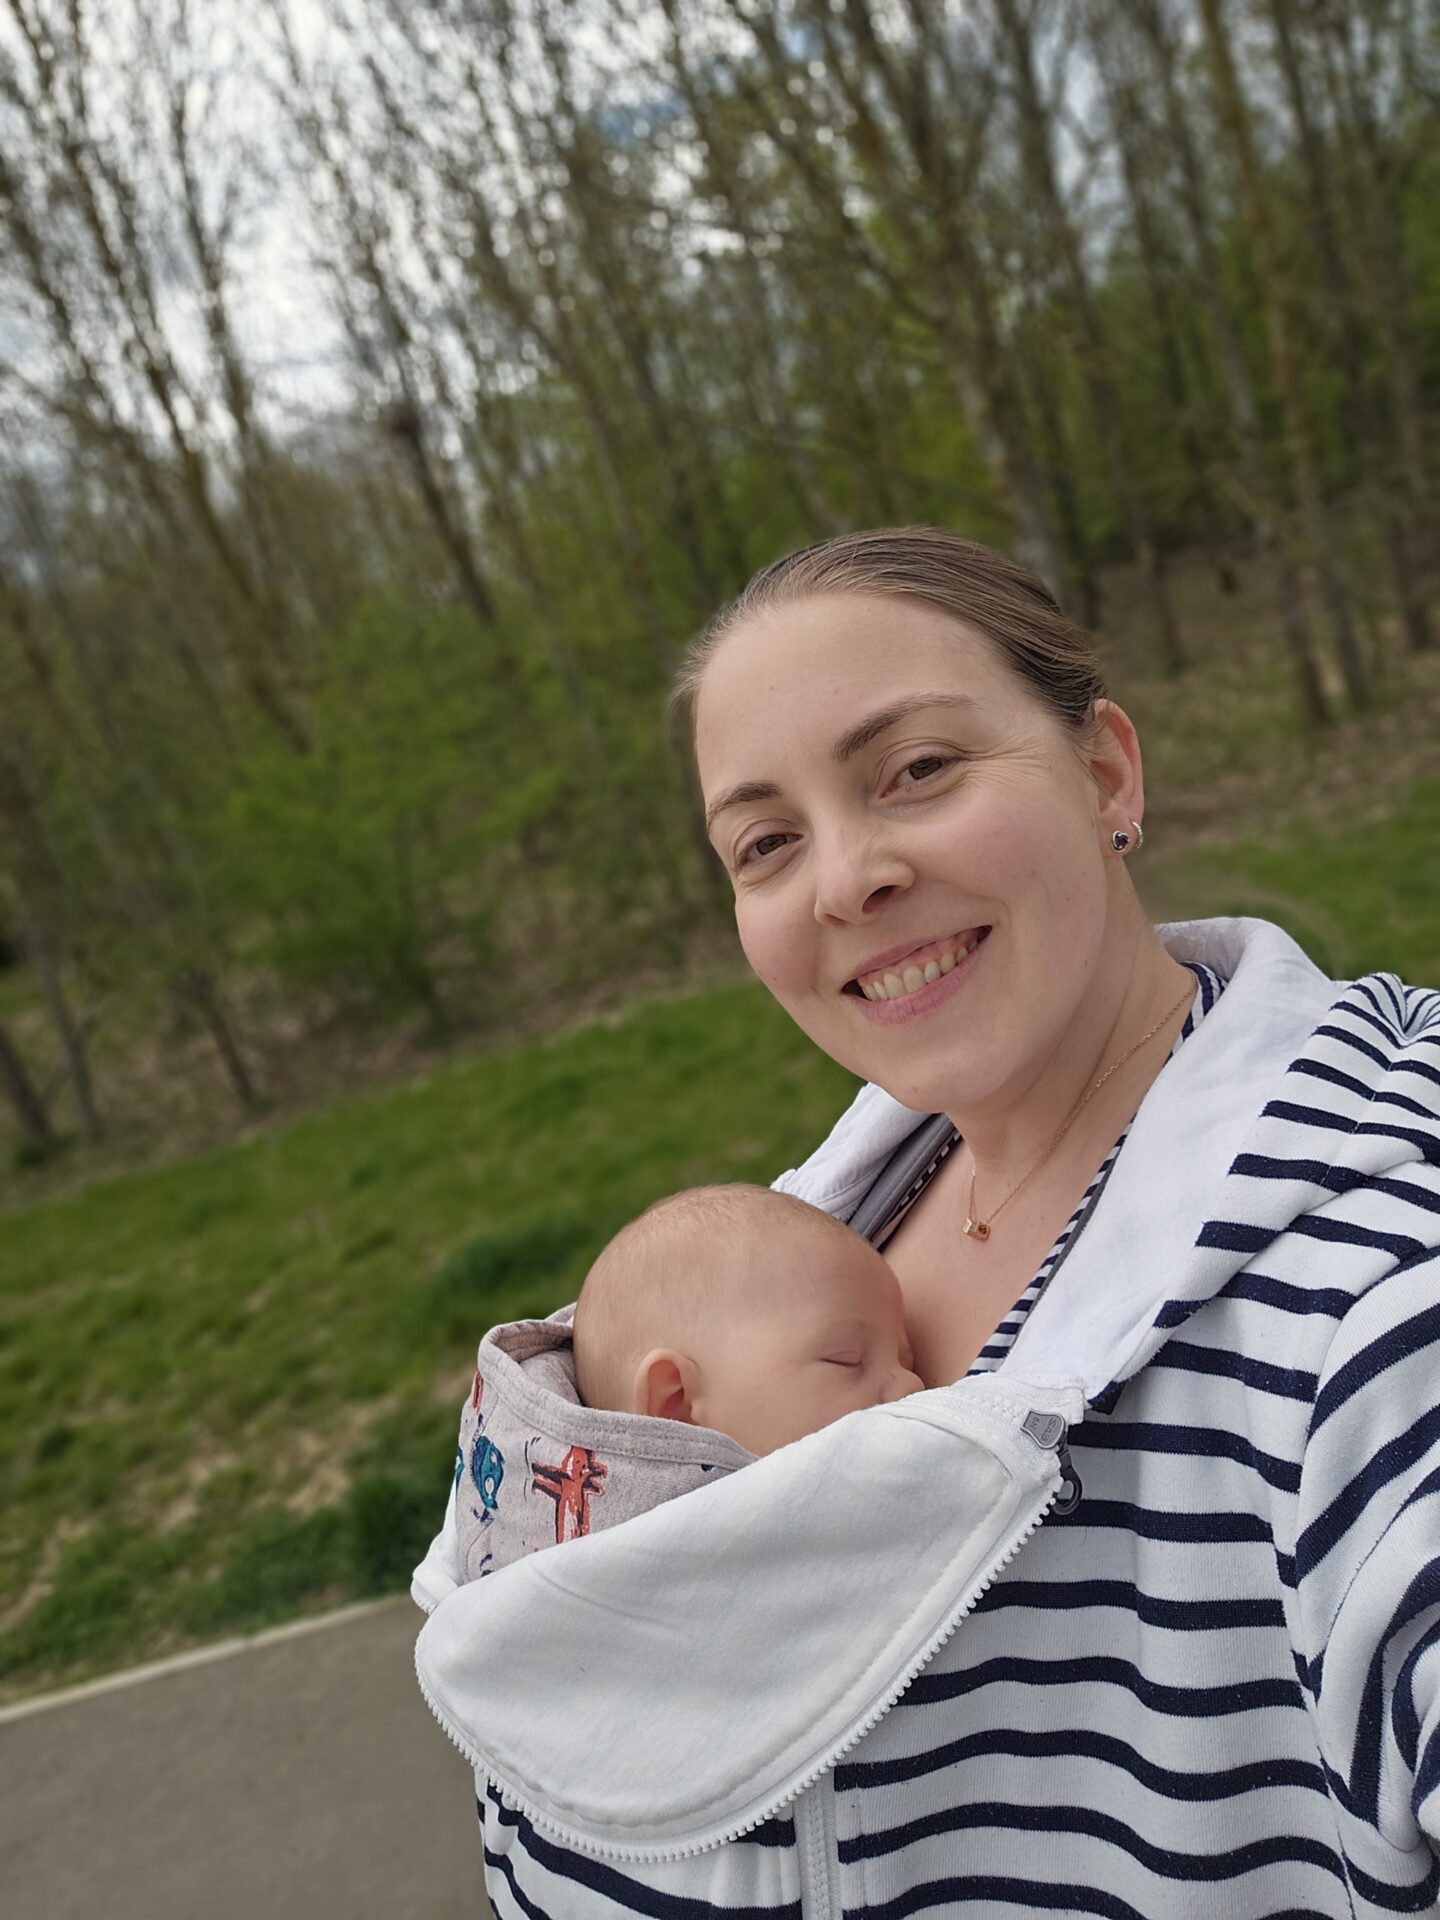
(1095,358)
(37,1138)
(69,1030)
(1253,485)
(941,280)
(1083,583)
(1235,121)
(1374,183)
(198,990)
(985,391)
(1126,123)
(1347,336)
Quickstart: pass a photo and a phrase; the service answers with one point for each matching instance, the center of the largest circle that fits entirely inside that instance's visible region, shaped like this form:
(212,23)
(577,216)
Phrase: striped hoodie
(887,1673)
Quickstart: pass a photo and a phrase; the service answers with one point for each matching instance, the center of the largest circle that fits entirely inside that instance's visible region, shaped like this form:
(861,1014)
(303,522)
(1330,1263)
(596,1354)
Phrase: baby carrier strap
(903,1178)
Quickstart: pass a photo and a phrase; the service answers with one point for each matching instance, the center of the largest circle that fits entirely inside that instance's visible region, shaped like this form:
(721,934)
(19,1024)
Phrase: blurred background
(388,389)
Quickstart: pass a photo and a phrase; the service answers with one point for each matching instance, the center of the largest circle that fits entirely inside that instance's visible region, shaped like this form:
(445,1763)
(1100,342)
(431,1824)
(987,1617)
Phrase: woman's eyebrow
(737,796)
(860,735)
(845,748)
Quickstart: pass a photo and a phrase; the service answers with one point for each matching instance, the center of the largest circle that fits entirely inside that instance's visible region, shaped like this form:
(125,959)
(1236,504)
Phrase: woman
(1178,1193)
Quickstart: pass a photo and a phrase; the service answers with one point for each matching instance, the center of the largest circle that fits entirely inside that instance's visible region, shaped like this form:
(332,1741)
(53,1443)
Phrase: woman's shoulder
(1406,1017)
(1276,997)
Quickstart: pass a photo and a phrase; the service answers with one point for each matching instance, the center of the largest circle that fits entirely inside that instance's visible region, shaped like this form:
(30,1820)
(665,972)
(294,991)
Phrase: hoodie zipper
(1046,1431)
(817,1851)
(1049,1432)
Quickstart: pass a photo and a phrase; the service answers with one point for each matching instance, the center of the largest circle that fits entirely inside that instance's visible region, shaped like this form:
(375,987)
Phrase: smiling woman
(1166,1194)
(934,889)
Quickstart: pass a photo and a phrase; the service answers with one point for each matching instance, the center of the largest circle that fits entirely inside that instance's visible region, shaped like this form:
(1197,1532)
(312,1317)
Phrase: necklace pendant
(976,1229)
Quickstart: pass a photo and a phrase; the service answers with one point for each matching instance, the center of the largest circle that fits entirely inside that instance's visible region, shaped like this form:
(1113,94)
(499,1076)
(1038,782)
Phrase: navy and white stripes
(1209,988)
(1213,1690)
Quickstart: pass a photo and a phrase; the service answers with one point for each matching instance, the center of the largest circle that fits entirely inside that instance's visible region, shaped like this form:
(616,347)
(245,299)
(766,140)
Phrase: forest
(390,388)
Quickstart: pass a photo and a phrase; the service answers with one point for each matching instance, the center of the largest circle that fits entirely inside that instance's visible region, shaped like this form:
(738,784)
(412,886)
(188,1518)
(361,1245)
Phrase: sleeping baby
(720,1324)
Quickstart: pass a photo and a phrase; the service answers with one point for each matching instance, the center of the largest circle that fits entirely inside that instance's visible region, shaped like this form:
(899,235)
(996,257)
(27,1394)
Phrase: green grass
(229,1389)
(1358,897)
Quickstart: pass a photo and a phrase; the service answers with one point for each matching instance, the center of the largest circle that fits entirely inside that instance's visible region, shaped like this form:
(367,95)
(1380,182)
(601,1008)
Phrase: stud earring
(1121,841)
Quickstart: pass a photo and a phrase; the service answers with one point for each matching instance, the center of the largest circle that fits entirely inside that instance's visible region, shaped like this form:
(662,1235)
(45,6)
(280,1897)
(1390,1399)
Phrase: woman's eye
(767,843)
(925,767)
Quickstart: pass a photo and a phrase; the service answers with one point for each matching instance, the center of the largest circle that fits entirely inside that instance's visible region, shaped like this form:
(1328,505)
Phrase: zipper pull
(1048,1430)
(1068,1498)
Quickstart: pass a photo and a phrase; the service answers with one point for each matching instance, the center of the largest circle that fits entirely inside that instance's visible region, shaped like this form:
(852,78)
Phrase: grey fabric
(534,1467)
(880,1206)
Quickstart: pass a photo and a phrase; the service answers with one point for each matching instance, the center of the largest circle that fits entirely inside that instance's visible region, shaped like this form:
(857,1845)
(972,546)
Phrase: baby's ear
(665,1386)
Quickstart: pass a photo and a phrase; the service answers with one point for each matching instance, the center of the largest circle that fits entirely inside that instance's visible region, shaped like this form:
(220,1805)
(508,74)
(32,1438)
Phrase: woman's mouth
(923,968)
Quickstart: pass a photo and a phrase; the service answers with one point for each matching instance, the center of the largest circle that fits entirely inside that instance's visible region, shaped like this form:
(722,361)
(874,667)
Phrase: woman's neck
(1135,989)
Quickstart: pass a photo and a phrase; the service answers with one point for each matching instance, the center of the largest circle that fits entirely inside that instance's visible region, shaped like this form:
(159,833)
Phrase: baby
(722,1323)
(742,1310)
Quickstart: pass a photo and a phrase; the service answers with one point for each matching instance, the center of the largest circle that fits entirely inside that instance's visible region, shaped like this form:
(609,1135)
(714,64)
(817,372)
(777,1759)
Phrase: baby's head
(744,1310)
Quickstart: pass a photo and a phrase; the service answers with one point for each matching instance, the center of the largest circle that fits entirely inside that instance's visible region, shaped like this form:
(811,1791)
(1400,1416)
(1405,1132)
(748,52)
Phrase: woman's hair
(984,590)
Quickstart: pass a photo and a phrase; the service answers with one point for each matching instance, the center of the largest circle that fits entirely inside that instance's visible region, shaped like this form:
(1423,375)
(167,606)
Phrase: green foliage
(388,1530)
(355,728)
(55,1442)
(389,1510)
(27,1156)
(338,856)
(229,1389)
(278,1563)
(530,1252)
(1360,896)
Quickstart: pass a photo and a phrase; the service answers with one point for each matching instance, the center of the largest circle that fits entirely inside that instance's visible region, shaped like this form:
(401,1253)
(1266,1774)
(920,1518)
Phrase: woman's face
(919,849)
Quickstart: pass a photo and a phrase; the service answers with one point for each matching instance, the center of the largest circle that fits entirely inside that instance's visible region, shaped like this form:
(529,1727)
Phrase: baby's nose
(902,1382)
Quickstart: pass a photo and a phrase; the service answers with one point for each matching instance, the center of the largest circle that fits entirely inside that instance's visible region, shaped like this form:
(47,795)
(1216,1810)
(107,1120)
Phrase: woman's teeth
(897,983)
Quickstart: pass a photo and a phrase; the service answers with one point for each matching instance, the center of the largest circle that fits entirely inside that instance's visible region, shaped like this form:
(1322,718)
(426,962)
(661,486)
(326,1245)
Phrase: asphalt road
(297,1779)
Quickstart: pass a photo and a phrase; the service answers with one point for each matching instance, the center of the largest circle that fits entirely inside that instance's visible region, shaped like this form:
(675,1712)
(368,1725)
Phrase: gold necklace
(979,1229)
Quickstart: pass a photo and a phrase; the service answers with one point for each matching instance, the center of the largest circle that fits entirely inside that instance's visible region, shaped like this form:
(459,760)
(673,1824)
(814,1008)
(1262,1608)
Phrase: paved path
(301,1778)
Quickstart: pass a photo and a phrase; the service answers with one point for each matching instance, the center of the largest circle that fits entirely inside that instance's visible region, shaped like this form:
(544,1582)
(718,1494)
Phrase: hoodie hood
(1144,1263)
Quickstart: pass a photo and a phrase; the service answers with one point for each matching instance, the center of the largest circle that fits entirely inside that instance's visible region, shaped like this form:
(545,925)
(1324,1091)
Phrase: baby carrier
(578,1668)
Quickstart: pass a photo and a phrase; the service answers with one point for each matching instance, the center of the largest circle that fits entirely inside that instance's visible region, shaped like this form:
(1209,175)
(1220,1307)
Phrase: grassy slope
(1357,898)
(229,1388)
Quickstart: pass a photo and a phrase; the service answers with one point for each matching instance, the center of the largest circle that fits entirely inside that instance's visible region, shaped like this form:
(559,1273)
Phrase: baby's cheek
(834,1399)
(866,1392)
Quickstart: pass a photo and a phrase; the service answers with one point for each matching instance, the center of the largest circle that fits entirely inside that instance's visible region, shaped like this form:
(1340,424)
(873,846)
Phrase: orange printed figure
(570,1486)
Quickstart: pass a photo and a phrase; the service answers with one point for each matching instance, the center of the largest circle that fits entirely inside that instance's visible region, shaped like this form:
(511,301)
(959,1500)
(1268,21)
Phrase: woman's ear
(665,1383)
(1113,757)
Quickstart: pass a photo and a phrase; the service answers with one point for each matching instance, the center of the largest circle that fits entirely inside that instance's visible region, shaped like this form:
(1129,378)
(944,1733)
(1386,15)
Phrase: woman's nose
(855,873)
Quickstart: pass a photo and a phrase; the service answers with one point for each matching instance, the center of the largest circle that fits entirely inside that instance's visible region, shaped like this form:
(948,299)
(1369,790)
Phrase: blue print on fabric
(487,1469)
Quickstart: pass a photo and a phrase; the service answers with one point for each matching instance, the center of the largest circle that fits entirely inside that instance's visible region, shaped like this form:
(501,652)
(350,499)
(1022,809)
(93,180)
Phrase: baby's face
(819,1330)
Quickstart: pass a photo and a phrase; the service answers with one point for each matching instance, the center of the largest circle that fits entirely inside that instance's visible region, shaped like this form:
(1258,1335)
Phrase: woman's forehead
(811,673)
